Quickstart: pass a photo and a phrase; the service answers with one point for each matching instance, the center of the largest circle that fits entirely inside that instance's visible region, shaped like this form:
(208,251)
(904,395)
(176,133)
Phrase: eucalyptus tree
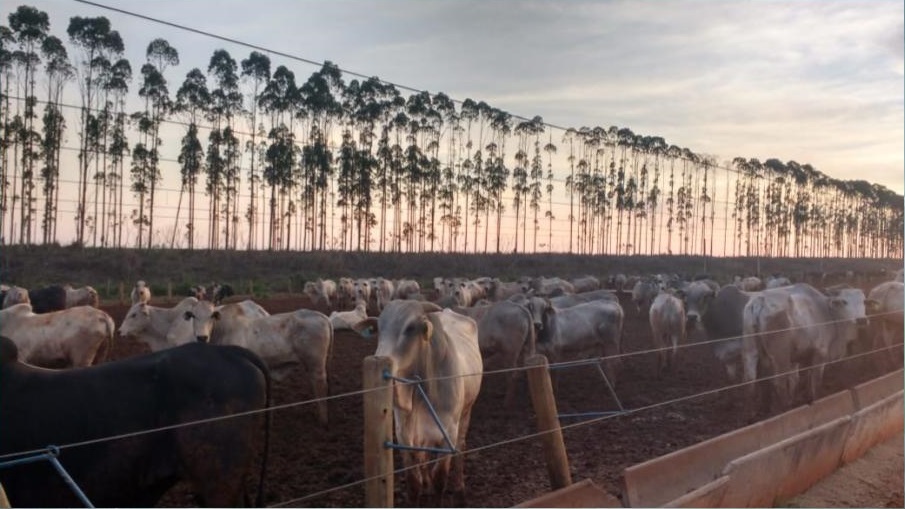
(479,174)
(390,103)
(255,68)
(94,38)
(569,136)
(279,98)
(418,110)
(145,169)
(498,173)
(469,112)
(520,178)
(624,140)
(7,39)
(58,70)
(656,146)
(549,149)
(526,176)
(279,159)
(535,175)
(447,122)
(320,97)
(29,27)
(117,87)
(706,197)
(193,101)
(226,104)
(672,152)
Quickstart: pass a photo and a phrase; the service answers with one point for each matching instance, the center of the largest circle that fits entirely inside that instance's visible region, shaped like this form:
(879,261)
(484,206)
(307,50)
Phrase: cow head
(405,332)
(848,307)
(136,321)
(202,315)
(697,297)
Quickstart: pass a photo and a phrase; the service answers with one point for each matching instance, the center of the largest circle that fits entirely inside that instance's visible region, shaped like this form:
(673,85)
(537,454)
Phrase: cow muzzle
(202,339)
(862,322)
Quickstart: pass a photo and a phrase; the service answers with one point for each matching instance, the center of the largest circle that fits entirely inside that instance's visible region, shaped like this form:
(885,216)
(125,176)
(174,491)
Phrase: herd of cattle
(446,337)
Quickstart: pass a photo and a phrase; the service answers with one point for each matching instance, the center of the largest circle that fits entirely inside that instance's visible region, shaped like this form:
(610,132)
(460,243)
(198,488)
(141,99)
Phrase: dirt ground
(873,480)
(313,466)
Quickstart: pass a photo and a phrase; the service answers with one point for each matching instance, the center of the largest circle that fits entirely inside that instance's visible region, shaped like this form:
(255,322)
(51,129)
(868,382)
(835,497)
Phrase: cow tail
(531,339)
(108,342)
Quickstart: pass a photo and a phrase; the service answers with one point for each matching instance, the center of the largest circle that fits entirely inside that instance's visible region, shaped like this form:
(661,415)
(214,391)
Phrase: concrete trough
(658,481)
(874,424)
(581,494)
(782,470)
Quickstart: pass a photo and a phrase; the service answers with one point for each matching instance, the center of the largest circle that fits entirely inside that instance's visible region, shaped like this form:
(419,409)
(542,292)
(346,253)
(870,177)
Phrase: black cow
(47,299)
(40,407)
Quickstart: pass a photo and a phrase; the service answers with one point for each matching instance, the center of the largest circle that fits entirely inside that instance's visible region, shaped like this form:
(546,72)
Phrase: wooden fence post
(548,421)
(378,430)
(169,291)
(122,292)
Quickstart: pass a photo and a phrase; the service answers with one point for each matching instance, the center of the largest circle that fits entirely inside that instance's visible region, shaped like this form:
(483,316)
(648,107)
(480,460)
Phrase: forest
(268,161)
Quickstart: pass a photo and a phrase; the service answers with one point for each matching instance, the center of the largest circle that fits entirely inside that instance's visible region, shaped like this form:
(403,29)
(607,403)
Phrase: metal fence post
(378,431)
(548,421)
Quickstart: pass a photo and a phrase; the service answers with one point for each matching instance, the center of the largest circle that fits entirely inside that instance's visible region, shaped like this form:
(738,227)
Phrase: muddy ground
(320,467)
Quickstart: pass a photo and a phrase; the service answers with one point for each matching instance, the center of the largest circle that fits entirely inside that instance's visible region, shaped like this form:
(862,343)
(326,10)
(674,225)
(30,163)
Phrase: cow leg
(457,479)
(219,481)
(317,372)
(749,373)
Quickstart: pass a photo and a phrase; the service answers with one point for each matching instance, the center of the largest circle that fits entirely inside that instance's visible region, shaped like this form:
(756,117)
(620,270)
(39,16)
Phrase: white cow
(586,284)
(500,290)
(84,296)
(468,293)
(406,288)
(283,340)
(667,323)
(643,294)
(796,326)
(68,338)
(141,293)
(749,284)
(440,347)
(346,320)
(505,335)
(889,298)
(544,286)
(152,325)
(15,295)
(591,329)
(382,291)
(322,292)
(777,282)
(345,293)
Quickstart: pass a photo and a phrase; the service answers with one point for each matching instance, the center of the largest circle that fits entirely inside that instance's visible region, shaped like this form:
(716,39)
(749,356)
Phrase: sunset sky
(818,82)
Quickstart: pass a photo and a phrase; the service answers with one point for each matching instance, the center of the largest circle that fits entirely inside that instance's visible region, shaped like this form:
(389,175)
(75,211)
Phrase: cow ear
(366,328)
(679,293)
(872,306)
(428,330)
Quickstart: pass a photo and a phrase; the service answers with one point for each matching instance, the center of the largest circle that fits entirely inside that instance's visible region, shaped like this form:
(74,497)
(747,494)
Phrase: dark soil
(313,466)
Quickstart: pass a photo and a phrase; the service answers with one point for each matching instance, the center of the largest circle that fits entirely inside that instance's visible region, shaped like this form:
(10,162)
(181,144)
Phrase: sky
(815,81)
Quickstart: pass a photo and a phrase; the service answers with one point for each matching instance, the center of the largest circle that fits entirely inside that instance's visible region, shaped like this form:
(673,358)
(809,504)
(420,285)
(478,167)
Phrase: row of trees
(325,164)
